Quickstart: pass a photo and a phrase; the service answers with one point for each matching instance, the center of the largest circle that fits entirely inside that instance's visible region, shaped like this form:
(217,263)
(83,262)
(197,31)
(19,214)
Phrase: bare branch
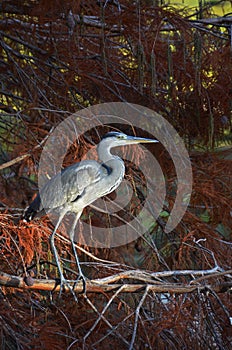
(100,285)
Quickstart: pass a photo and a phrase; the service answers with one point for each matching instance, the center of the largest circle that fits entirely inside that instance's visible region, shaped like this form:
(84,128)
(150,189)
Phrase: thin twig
(137,311)
(26,155)
(102,313)
(110,332)
(106,321)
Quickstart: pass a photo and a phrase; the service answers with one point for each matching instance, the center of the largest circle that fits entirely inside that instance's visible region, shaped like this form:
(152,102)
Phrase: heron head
(120,139)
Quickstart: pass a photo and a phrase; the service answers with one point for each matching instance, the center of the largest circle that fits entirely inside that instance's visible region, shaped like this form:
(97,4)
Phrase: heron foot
(84,281)
(63,283)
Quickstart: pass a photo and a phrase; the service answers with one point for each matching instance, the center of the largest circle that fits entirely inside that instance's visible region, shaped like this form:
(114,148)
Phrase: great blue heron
(79,185)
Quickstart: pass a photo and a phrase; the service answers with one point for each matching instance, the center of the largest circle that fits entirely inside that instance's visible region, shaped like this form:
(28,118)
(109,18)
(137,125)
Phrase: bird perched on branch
(79,185)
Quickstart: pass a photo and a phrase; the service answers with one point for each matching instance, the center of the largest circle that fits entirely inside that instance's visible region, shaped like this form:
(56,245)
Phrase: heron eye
(122,137)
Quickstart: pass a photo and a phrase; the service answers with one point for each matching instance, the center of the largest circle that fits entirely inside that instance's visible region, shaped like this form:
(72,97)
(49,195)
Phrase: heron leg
(81,275)
(63,281)
(54,250)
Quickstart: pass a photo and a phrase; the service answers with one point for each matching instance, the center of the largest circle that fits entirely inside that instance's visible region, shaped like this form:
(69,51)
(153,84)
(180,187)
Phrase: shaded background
(59,57)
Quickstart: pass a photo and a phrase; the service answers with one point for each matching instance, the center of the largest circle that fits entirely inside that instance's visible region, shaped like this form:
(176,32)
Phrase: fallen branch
(100,285)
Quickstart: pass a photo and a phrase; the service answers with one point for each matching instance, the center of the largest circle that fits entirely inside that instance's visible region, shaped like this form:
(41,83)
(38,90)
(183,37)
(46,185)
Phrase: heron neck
(108,158)
(104,153)
(114,163)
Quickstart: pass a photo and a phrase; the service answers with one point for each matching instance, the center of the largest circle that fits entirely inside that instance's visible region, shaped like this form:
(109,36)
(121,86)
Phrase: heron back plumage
(66,187)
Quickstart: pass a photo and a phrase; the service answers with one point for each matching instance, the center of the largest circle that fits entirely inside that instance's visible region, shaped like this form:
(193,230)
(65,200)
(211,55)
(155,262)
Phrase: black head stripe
(112,134)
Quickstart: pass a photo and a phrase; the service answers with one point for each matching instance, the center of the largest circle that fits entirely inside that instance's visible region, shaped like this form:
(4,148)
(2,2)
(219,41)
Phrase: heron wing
(71,183)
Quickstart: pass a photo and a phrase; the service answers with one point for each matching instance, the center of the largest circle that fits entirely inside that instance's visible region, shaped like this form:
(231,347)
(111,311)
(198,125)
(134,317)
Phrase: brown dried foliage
(55,62)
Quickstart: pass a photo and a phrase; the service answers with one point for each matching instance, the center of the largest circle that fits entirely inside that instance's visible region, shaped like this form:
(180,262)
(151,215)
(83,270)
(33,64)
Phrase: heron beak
(134,140)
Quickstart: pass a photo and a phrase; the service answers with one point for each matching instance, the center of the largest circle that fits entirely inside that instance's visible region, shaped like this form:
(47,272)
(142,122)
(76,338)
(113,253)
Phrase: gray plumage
(66,188)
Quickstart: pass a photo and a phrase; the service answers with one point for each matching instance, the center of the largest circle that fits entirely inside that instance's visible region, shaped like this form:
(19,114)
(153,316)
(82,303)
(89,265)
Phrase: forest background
(164,291)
